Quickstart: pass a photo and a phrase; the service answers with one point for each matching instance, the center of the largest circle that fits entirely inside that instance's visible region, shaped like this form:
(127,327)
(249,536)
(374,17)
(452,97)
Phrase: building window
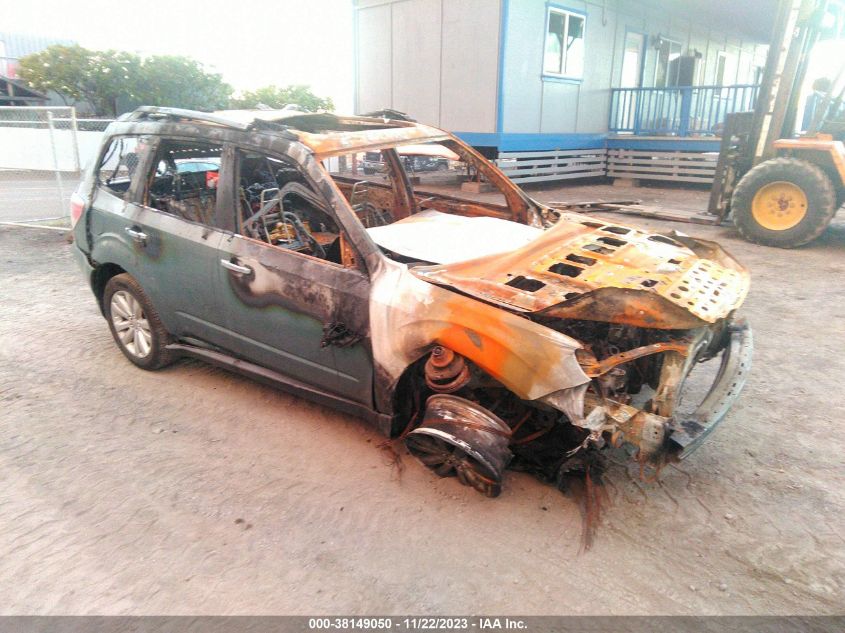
(668,68)
(564,55)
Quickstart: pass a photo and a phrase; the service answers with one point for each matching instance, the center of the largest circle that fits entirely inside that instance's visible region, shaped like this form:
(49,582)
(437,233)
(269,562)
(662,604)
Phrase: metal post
(778,78)
(74,135)
(62,210)
(686,106)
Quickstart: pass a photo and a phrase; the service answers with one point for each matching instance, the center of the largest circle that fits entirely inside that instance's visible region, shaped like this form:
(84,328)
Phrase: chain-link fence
(42,151)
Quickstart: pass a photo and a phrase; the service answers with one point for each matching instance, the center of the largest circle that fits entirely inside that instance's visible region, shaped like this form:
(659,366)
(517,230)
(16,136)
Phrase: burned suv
(486,334)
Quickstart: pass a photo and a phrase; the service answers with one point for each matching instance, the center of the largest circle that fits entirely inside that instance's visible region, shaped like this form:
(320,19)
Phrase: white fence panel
(32,148)
(42,150)
(525,167)
(697,167)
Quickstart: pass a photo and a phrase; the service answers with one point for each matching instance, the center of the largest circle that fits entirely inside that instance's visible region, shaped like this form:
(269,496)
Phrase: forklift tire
(783,202)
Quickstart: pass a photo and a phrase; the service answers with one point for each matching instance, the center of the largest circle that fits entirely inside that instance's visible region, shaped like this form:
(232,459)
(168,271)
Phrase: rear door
(172,225)
(295,300)
(107,220)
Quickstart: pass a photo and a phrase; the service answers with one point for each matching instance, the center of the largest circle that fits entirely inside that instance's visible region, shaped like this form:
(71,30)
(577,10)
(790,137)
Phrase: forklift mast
(748,139)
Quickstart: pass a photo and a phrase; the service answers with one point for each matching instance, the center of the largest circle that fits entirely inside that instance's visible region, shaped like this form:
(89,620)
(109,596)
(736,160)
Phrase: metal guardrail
(679,111)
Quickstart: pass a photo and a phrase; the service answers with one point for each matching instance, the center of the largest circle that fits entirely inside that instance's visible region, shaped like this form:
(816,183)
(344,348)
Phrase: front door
(293,302)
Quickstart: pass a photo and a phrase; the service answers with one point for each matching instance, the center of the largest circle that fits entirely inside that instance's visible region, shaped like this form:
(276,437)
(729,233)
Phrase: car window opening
(439,176)
(185,179)
(277,205)
(119,162)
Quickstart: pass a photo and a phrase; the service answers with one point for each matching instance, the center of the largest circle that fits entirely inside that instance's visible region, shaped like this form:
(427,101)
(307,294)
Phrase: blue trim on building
(512,142)
(539,142)
(480,139)
(500,87)
(665,145)
(532,142)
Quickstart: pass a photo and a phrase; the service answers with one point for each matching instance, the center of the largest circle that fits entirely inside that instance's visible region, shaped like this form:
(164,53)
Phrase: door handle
(235,268)
(136,234)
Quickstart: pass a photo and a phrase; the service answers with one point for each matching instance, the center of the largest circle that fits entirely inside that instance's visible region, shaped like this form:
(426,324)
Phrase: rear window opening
(185,179)
(119,163)
(526,284)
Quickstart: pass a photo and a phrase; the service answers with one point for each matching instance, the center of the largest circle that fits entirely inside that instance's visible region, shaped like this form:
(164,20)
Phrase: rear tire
(135,324)
(784,202)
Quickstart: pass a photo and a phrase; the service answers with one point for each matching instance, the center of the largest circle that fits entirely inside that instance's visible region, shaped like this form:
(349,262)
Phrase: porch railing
(680,111)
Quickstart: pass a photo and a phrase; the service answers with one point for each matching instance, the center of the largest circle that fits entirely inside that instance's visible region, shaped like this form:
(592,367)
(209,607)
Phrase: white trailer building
(583,86)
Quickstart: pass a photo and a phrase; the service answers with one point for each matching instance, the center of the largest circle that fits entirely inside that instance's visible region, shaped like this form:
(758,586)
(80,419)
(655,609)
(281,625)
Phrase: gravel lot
(191,490)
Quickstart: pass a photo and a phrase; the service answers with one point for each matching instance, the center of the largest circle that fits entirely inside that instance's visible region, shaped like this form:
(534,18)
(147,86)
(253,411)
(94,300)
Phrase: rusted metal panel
(644,279)
(412,316)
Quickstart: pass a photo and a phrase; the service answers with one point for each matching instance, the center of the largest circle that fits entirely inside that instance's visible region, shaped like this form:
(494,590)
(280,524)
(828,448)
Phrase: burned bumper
(688,432)
(654,438)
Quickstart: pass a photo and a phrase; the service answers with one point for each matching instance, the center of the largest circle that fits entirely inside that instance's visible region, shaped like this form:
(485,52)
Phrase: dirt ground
(194,491)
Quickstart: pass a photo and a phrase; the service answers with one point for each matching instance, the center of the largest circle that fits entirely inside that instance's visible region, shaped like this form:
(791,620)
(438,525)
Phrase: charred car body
(486,335)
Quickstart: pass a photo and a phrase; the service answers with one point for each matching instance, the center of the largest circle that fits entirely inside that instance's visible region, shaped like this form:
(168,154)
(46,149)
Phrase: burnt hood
(595,270)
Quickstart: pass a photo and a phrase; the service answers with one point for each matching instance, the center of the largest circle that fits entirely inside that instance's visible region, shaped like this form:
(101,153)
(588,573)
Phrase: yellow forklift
(781,191)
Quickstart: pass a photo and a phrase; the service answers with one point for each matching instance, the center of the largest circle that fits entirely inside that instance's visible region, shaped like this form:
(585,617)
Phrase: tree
(78,74)
(113,81)
(181,82)
(278,97)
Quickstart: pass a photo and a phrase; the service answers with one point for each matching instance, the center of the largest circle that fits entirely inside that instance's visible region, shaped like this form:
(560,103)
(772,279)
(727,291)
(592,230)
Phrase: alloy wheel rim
(131,324)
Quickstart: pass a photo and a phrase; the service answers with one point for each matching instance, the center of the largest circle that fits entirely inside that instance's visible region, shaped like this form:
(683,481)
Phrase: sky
(826,60)
(252,43)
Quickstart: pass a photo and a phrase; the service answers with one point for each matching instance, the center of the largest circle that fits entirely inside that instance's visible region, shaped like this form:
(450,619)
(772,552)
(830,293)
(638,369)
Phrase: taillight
(77,206)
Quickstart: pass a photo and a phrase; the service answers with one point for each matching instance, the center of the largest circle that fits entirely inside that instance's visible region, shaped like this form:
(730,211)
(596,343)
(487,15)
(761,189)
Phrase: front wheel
(784,202)
(135,324)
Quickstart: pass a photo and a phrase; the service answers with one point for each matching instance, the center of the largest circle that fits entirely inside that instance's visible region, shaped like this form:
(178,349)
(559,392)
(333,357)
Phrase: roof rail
(154,112)
(260,121)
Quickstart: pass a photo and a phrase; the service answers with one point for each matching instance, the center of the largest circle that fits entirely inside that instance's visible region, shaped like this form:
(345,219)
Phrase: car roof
(324,133)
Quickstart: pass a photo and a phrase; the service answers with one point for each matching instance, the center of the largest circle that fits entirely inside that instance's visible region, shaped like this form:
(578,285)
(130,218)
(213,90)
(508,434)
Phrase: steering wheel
(303,234)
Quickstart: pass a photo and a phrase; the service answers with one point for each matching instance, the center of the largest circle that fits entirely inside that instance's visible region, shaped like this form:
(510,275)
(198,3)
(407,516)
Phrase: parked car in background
(374,164)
